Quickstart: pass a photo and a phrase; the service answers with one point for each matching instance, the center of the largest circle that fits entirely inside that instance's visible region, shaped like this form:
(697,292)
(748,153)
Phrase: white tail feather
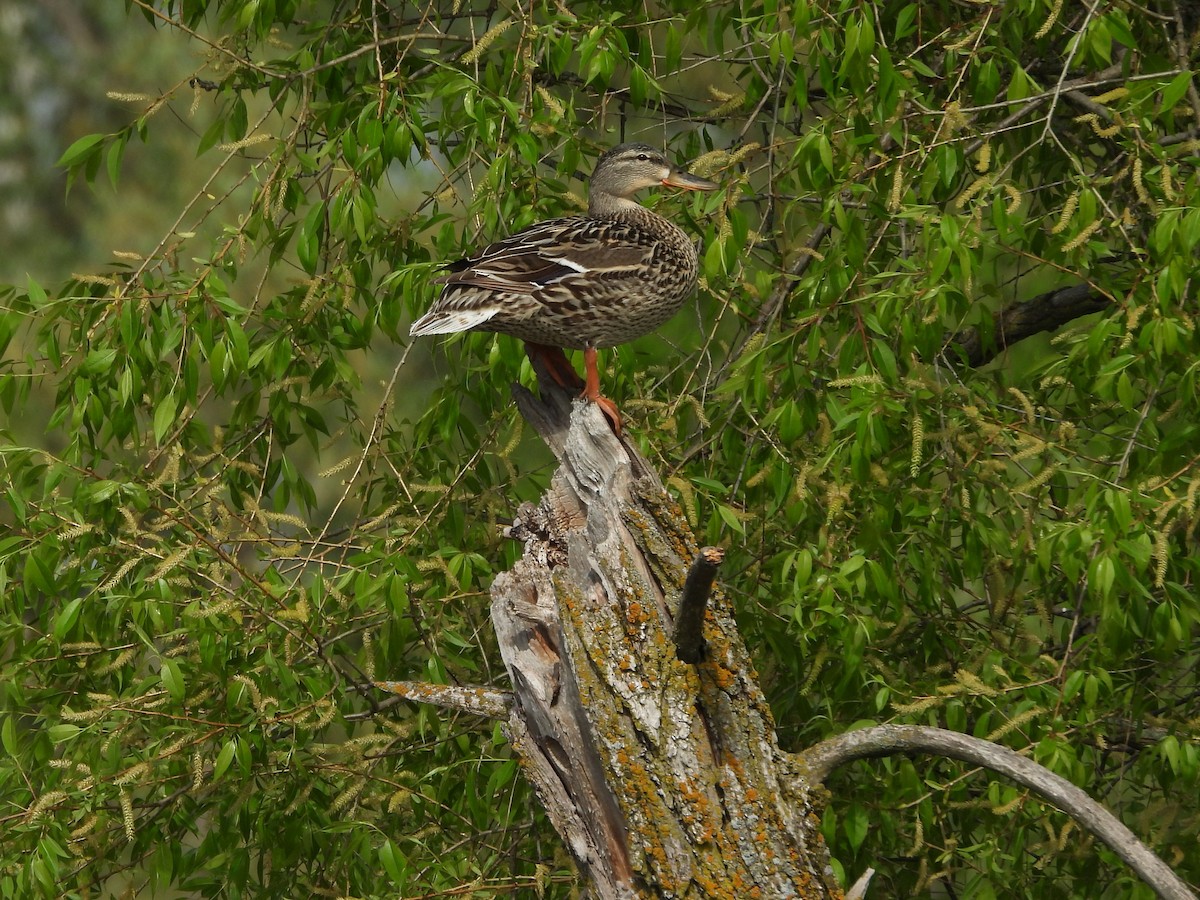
(449,321)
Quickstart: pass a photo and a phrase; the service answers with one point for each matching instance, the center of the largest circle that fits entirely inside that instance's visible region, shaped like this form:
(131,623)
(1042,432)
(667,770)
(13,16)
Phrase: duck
(582,282)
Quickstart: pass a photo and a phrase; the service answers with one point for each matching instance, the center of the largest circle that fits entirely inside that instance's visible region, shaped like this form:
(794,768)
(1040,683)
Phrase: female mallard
(580,282)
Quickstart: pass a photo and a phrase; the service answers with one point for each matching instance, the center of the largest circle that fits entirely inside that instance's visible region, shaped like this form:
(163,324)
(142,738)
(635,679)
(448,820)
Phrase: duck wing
(554,251)
(511,277)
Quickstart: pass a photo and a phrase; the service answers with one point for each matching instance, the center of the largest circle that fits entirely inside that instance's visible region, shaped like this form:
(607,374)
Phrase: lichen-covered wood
(664,779)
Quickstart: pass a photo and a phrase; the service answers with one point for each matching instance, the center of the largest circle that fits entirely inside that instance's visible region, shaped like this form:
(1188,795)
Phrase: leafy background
(235,492)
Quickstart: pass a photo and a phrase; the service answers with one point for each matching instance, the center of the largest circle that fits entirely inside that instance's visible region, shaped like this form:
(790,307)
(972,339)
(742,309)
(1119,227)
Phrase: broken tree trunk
(635,709)
(664,778)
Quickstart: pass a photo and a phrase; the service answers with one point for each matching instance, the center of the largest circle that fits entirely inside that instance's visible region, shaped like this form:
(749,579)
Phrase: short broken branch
(689,621)
(887,740)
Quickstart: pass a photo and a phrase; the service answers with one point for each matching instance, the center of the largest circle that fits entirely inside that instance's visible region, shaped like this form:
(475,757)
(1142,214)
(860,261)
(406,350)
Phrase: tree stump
(664,778)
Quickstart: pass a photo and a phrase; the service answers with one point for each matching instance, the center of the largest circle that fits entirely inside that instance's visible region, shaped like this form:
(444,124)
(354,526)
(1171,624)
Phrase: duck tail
(449,321)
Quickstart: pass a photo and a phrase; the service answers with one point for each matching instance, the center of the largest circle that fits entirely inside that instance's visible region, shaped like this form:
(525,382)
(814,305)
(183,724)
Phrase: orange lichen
(635,614)
(724,678)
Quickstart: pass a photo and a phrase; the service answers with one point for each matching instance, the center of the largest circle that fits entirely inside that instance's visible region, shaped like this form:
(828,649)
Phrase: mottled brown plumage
(580,282)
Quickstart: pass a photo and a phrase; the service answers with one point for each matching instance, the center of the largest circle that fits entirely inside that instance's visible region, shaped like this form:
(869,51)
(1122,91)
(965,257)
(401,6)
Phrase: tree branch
(858,890)
(478,701)
(1013,323)
(887,740)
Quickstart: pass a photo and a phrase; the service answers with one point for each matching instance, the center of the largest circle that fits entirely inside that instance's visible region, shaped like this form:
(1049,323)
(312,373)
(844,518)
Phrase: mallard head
(626,169)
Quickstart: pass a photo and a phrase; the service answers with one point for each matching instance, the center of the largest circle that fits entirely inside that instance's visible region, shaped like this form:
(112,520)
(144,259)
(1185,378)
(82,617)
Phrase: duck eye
(643,157)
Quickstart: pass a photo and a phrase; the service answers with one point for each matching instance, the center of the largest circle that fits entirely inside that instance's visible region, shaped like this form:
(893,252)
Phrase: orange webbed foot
(610,412)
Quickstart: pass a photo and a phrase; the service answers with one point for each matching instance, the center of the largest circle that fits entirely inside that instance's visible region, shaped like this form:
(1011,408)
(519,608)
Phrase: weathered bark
(664,779)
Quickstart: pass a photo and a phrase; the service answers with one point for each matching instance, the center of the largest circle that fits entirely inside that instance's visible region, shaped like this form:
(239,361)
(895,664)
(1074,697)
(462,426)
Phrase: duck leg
(591,390)
(556,364)
(559,368)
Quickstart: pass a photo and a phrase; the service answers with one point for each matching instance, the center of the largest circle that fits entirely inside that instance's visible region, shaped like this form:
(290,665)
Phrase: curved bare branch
(887,740)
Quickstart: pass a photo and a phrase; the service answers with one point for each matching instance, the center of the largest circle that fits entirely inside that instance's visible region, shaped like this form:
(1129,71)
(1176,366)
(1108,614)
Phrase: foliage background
(234,492)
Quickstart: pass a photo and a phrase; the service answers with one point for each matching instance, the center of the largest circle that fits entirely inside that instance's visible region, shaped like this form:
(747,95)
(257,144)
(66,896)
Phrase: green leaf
(674,48)
(804,567)
(308,238)
(37,295)
(852,565)
(1169,748)
(8,736)
(172,678)
(1176,89)
(1101,575)
(116,151)
(62,732)
(36,575)
(730,518)
(393,862)
(825,150)
(1074,682)
(714,259)
(99,361)
(224,758)
(80,150)
(66,618)
(99,491)
(164,417)
(855,823)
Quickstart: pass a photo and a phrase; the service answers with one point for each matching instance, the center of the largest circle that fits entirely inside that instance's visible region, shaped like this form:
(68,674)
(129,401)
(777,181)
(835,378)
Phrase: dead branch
(478,701)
